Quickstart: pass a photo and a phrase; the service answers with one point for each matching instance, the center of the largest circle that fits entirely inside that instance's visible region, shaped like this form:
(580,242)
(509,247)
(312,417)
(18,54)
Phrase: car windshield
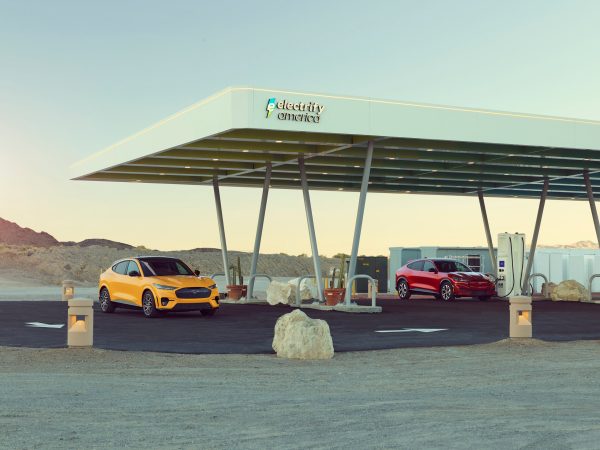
(452,266)
(161,267)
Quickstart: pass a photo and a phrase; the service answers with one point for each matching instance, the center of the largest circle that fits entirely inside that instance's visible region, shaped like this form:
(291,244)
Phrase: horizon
(217,248)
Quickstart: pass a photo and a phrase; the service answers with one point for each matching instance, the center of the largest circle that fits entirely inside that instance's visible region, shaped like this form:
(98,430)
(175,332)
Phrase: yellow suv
(157,285)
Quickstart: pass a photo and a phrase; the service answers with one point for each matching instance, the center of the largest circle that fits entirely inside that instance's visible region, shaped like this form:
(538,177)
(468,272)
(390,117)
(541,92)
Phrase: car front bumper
(461,290)
(169,302)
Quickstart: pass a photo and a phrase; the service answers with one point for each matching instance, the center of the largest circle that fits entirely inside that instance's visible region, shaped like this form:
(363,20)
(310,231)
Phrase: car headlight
(164,287)
(212,286)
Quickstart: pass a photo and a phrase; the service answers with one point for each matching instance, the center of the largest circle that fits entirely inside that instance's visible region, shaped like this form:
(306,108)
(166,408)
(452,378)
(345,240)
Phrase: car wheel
(446,291)
(149,305)
(484,298)
(403,290)
(208,312)
(106,305)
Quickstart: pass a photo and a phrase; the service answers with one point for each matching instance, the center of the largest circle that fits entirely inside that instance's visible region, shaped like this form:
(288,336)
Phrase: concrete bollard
(80,323)
(369,288)
(520,317)
(68,290)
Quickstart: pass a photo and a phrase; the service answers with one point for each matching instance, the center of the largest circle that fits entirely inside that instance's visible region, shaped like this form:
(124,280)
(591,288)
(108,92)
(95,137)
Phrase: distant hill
(13,234)
(579,244)
(101,243)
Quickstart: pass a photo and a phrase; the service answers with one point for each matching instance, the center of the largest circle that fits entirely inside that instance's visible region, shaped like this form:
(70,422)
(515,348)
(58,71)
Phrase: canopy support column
(259,230)
(590,193)
(311,229)
(534,239)
(221,229)
(488,234)
(359,217)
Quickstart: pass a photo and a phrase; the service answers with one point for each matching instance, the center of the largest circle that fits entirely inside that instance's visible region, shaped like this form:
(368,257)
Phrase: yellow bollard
(80,323)
(520,317)
(68,290)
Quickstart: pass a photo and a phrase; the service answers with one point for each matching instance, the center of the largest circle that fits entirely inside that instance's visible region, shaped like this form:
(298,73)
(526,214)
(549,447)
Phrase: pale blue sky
(77,76)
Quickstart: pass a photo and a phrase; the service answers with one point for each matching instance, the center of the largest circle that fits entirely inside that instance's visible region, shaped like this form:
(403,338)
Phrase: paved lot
(249,328)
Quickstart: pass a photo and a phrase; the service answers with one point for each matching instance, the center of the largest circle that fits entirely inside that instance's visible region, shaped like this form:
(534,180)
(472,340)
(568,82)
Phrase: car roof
(155,257)
(142,258)
(434,260)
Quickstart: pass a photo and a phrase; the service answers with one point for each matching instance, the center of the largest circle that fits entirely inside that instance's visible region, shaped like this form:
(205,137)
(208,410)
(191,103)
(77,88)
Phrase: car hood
(469,276)
(182,281)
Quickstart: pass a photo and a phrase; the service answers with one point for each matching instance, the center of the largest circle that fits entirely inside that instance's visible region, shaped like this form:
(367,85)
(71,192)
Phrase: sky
(76,77)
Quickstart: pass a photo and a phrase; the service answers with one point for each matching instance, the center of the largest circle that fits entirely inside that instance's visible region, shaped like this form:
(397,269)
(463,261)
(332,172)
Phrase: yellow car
(157,285)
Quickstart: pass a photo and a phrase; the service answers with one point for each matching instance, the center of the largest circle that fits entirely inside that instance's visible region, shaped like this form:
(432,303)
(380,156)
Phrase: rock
(305,290)
(550,287)
(570,291)
(279,292)
(297,336)
(285,293)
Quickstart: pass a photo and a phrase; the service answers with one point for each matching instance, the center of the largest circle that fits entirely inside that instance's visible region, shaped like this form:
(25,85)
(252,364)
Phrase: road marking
(410,330)
(44,325)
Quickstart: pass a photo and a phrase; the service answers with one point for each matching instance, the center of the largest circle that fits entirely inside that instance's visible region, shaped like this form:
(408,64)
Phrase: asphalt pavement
(246,329)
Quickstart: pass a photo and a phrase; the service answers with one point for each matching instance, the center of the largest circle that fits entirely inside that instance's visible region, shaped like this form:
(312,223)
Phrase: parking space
(243,329)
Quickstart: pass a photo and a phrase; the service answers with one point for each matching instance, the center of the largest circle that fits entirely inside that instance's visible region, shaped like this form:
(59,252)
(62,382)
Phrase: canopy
(418,148)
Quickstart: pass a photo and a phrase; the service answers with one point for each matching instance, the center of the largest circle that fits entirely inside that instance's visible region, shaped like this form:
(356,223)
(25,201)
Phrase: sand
(502,395)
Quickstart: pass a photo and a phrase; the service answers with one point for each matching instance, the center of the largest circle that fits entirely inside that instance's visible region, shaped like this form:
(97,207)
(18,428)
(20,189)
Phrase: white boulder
(279,292)
(297,336)
(569,291)
(305,287)
(285,293)
(548,288)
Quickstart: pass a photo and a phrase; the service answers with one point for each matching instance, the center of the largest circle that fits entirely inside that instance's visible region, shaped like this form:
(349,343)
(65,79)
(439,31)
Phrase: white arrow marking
(409,330)
(44,325)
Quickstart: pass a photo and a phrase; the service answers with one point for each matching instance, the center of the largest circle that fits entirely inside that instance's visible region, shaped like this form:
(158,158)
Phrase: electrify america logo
(295,111)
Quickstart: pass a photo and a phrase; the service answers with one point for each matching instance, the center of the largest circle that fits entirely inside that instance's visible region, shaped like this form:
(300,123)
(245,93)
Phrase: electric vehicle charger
(511,261)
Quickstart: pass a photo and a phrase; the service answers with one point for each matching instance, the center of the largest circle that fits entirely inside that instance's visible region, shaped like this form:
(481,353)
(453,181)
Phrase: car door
(133,285)
(118,283)
(429,276)
(414,276)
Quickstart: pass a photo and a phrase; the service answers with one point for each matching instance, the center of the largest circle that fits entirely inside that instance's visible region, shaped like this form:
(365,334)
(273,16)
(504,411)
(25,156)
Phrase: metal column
(590,193)
(259,229)
(488,234)
(311,229)
(221,229)
(536,232)
(359,217)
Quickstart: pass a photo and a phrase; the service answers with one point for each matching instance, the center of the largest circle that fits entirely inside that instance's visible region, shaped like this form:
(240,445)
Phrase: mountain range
(13,234)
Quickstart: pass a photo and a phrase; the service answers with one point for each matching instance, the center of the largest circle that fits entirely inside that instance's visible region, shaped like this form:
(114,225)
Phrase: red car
(444,278)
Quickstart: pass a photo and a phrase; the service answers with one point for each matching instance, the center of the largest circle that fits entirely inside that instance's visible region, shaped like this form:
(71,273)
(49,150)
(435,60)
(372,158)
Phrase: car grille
(196,292)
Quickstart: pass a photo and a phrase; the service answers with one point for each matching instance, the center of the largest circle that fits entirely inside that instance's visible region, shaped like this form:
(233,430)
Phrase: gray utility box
(374,266)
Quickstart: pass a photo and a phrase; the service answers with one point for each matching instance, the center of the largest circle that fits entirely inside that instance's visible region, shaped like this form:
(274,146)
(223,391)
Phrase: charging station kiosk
(511,264)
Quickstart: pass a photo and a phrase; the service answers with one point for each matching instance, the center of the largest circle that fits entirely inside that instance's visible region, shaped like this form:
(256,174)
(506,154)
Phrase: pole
(536,232)
(311,229)
(488,234)
(359,217)
(221,229)
(259,230)
(590,193)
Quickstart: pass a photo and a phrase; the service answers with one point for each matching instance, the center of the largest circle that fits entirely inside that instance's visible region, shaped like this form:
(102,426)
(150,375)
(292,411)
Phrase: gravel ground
(503,395)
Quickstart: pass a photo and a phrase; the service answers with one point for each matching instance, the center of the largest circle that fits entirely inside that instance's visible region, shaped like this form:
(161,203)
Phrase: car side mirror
(197,272)
(134,273)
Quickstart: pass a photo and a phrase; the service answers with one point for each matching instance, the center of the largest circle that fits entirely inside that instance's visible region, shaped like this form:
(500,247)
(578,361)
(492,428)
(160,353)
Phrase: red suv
(444,278)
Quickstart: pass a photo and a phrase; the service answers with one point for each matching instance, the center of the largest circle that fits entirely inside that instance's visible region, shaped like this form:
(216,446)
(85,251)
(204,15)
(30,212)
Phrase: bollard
(369,288)
(520,317)
(68,290)
(80,323)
